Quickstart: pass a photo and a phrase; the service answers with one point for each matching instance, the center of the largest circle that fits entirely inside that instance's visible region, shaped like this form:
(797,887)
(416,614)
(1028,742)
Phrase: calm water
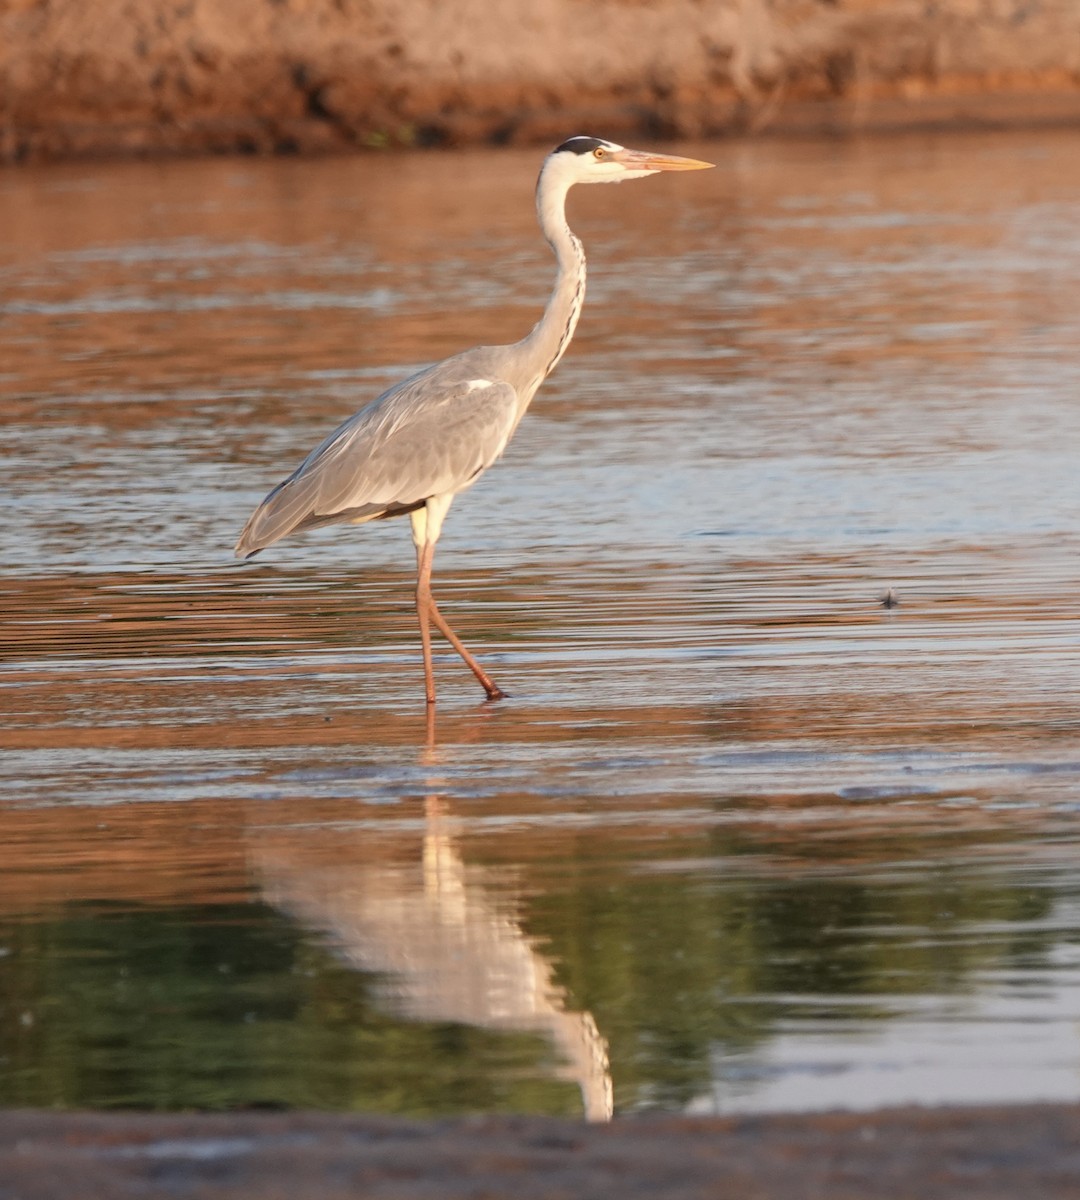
(743,838)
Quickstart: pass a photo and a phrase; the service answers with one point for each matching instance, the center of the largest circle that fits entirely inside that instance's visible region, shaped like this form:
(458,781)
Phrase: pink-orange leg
(427,611)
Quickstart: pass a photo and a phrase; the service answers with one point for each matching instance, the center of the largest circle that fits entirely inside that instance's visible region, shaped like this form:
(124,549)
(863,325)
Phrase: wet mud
(988,1154)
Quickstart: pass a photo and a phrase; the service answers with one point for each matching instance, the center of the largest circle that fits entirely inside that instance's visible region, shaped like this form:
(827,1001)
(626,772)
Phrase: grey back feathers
(433,433)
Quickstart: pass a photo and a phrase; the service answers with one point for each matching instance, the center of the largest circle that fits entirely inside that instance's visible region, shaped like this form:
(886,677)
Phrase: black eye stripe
(582,145)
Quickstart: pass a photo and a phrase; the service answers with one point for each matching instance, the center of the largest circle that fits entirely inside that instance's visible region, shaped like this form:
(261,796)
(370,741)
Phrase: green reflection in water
(230,1007)
(223,1007)
(680,969)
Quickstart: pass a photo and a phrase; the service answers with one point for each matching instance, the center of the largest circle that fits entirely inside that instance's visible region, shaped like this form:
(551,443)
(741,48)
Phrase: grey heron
(424,440)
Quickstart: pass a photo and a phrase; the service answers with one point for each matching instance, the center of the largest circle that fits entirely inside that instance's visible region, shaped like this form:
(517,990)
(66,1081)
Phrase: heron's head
(592,160)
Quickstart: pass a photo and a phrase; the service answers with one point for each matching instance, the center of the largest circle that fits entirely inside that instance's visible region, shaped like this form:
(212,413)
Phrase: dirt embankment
(81,77)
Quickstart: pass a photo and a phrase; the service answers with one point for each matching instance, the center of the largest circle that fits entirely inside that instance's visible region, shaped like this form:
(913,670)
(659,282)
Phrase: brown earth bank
(992,1154)
(87,77)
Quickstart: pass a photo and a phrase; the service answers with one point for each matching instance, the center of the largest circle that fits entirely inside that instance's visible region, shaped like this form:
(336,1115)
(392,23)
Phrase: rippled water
(743,838)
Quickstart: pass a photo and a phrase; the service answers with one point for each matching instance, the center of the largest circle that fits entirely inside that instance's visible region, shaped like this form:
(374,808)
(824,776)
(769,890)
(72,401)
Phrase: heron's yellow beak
(642,160)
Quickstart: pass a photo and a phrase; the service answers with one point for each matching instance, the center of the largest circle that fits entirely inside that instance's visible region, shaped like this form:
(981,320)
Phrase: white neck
(547,342)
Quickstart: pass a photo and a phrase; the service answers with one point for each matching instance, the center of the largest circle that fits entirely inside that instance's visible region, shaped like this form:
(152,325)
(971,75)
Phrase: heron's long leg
(427,610)
(494,692)
(424,605)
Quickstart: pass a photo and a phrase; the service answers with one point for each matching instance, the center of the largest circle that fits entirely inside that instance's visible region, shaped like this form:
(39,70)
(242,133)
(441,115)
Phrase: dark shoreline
(998,1153)
(74,142)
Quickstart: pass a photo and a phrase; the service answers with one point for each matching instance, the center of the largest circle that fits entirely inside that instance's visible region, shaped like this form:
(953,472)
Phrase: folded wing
(431,435)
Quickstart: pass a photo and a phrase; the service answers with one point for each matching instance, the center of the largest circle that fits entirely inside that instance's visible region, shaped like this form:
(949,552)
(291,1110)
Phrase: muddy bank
(992,1154)
(84,77)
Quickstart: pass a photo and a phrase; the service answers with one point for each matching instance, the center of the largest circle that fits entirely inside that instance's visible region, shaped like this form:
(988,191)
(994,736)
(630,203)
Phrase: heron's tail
(271,521)
(292,507)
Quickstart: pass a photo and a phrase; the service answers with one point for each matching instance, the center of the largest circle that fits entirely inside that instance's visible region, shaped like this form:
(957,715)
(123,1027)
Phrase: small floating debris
(890,599)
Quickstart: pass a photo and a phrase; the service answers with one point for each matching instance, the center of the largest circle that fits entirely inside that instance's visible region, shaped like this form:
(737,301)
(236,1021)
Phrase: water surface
(743,838)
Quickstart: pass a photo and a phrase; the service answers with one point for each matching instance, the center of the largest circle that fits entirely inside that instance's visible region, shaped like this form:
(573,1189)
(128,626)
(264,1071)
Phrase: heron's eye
(599,152)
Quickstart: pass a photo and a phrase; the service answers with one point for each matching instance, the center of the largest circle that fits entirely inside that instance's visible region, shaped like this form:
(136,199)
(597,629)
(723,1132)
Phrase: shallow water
(743,838)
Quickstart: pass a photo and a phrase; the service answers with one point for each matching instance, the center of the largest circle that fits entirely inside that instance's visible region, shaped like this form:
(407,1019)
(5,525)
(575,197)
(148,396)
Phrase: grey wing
(426,437)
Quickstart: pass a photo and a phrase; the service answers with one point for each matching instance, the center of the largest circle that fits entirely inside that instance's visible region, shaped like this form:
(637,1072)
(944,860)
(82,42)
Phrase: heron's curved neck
(547,342)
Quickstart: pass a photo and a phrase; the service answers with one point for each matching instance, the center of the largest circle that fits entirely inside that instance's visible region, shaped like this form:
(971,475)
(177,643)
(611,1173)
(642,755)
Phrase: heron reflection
(440,932)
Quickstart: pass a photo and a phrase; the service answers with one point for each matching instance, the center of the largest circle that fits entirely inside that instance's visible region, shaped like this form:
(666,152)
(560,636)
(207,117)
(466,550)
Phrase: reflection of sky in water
(757,840)
(935,1057)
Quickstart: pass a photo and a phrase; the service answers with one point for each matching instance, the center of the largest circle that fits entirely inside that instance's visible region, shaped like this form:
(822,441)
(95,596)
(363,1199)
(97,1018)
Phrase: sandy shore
(89,77)
(991,1154)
